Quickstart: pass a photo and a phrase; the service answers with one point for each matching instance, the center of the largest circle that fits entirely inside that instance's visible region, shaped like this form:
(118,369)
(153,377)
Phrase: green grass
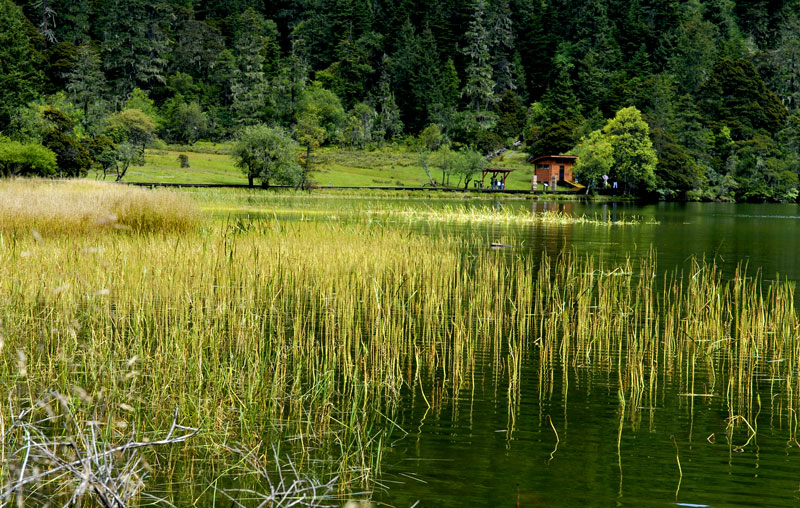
(162,166)
(337,167)
(359,168)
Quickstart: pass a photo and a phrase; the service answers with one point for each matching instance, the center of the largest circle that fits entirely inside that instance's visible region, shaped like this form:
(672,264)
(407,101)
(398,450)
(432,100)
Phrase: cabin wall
(544,175)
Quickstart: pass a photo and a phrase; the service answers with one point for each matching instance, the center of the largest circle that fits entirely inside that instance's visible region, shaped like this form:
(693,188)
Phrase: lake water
(765,236)
(484,452)
(568,440)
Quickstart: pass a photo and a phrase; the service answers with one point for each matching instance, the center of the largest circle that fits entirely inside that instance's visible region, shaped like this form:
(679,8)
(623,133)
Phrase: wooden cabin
(558,166)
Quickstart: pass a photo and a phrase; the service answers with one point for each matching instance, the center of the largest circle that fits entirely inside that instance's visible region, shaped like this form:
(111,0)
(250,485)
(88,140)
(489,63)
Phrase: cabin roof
(554,157)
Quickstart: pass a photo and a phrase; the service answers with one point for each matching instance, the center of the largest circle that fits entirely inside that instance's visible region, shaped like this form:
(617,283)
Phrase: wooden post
(534,183)
(553,183)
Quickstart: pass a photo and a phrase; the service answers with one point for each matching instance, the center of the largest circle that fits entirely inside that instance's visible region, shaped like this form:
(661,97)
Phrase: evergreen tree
(445,114)
(86,84)
(537,43)
(510,116)
(502,48)
(425,86)
(694,48)
(520,80)
(135,42)
(401,65)
(479,85)
(197,45)
(60,58)
(20,81)
(75,22)
(388,123)
(255,36)
(73,159)
(349,76)
(785,58)
(735,96)
(44,14)
(560,98)
(677,173)
(291,81)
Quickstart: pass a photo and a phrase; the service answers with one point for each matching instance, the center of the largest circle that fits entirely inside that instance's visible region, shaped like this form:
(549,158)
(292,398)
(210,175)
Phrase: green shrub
(21,159)
(73,159)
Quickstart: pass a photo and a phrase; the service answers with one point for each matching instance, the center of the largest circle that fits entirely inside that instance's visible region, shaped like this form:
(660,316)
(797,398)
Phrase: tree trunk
(121,175)
(424,160)
(307,165)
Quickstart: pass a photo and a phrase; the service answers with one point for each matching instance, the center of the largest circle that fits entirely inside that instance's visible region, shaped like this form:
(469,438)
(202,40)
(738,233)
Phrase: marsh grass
(83,206)
(488,214)
(394,206)
(312,334)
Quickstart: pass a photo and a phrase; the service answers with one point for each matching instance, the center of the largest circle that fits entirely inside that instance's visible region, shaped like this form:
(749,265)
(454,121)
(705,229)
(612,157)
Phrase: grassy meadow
(338,167)
(307,336)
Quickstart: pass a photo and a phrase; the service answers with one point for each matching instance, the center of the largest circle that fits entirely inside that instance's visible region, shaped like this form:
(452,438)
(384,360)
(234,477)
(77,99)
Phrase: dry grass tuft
(83,206)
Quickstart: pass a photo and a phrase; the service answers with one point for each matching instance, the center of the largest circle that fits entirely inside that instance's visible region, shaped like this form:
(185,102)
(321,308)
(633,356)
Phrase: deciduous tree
(634,157)
(268,154)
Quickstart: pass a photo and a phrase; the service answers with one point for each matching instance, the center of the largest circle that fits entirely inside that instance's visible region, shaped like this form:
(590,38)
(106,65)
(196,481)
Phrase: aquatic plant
(311,334)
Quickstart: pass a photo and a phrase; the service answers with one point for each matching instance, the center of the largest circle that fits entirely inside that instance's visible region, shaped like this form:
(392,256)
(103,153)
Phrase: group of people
(498,184)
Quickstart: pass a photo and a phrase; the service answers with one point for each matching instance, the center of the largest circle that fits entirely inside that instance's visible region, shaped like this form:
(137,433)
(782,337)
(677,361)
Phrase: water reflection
(765,235)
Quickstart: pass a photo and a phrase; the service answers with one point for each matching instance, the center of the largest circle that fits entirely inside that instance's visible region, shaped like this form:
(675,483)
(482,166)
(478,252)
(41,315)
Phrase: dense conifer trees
(717,82)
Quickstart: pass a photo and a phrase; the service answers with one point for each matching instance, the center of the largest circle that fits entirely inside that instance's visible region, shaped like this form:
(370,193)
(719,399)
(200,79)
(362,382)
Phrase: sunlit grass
(391,166)
(443,208)
(81,206)
(163,166)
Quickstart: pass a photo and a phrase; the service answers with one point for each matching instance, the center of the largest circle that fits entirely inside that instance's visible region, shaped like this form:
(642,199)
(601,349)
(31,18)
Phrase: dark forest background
(717,81)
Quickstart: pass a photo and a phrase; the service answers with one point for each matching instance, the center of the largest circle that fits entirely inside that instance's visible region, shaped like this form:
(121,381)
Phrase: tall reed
(316,332)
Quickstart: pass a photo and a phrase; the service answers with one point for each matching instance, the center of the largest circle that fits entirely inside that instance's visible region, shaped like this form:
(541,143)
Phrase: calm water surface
(485,452)
(765,236)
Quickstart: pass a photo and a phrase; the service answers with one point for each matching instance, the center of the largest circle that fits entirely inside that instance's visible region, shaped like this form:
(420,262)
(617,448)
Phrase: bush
(73,159)
(18,159)
(487,142)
